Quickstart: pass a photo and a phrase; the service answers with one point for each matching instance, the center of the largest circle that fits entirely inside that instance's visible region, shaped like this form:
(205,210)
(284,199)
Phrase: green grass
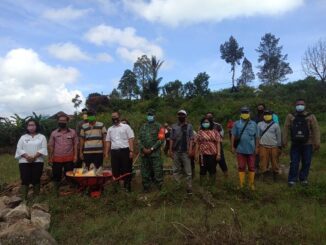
(273,214)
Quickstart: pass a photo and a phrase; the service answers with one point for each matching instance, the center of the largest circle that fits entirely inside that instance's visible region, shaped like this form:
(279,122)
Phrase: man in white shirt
(120,144)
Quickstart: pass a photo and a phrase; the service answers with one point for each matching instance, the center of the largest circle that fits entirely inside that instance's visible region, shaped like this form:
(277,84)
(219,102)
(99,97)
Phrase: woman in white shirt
(31,151)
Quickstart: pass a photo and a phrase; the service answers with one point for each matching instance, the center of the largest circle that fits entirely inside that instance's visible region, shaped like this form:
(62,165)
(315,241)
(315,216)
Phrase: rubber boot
(201,180)
(242,176)
(24,191)
(212,179)
(127,185)
(36,190)
(56,186)
(251,177)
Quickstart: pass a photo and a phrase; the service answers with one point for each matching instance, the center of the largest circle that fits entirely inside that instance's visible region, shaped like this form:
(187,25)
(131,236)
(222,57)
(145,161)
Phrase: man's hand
(233,150)
(257,150)
(131,155)
(316,147)
(81,156)
(147,151)
(75,159)
(218,157)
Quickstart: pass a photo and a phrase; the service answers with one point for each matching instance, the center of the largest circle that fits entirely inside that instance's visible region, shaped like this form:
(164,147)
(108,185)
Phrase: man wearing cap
(79,125)
(270,141)
(244,132)
(181,138)
(92,141)
(149,148)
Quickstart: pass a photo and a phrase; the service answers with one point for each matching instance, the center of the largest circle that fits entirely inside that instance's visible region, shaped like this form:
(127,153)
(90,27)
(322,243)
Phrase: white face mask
(299,108)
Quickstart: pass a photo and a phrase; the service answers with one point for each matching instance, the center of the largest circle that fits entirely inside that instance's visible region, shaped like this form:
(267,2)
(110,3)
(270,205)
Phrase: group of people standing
(256,143)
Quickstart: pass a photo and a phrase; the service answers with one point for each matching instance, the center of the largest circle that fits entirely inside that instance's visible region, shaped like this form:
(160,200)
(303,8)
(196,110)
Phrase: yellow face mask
(268,117)
(244,116)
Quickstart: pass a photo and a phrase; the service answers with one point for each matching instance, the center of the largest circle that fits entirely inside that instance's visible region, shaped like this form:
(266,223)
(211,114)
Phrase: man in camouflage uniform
(149,147)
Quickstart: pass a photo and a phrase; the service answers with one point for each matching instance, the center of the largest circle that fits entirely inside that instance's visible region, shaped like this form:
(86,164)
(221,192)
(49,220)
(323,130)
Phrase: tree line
(143,80)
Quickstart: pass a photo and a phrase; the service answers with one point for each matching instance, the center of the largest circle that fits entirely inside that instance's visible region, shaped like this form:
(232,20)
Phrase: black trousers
(208,164)
(95,158)
(222,162)
(57,170)
(30,173)
(121,163)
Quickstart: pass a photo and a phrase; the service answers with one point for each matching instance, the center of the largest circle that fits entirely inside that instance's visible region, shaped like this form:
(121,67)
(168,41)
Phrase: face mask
(85,116)
(150,118)
(268,117)
(62,125)
(182,119)
(244,116)
(205,125)
(300,108)
(115,120)
(31,129)
(91,118)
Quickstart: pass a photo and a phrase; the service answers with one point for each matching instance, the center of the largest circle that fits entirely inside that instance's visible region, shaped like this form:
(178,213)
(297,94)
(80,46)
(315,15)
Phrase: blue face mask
(205,125)
(300,108)
(150,118)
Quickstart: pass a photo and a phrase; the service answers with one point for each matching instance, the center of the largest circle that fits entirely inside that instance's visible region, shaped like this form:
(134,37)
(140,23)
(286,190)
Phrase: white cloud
(65,14)
(28,84)
(104,57)
(172,12)
(67,51)
(130,45)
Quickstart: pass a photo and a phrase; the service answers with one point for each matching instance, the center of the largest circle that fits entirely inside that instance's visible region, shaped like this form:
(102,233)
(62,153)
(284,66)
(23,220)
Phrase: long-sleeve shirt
(272,137)
(31,145)
(247,142)
(148,138)
(314,132)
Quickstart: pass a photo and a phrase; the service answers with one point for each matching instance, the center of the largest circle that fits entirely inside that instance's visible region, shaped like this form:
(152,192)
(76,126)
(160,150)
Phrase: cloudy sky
(52,50)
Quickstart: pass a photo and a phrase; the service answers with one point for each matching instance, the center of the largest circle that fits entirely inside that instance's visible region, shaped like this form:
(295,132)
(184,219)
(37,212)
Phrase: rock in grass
(20,212)
(14,201)
(23,232)
(40,219)
(41,206)
(3,213)
(3,202)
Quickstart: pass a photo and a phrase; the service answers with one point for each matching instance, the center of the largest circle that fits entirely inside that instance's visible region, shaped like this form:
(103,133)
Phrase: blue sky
(52,50)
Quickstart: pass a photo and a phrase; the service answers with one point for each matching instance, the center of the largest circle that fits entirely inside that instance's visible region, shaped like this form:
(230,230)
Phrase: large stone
(3,202)
(40,219)
(20,212)
(3,213)
(23,232)
(14,201)
(41,206)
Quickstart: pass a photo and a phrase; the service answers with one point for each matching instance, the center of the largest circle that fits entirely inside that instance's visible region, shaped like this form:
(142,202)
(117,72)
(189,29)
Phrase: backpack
(300,129)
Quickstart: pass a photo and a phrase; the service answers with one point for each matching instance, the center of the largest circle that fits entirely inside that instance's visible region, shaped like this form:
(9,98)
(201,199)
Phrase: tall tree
(201,84)
(128,84)
(247,74)
(274,67)
(189,90)
(232,54)
(172,89)
(141,70)
(314,61)
(154,81)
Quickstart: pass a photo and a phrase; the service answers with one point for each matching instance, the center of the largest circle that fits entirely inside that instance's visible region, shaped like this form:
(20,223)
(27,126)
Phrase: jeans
(299,153)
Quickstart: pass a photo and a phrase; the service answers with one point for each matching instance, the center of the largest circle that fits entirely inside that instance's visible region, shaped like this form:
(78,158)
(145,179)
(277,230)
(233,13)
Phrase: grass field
(273,214)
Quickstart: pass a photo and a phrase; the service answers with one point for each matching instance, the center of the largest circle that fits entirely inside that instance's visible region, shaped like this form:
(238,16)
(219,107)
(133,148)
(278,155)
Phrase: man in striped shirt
(92,141)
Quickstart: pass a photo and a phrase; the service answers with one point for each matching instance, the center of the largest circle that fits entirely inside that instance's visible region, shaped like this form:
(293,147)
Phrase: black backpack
(300,129)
